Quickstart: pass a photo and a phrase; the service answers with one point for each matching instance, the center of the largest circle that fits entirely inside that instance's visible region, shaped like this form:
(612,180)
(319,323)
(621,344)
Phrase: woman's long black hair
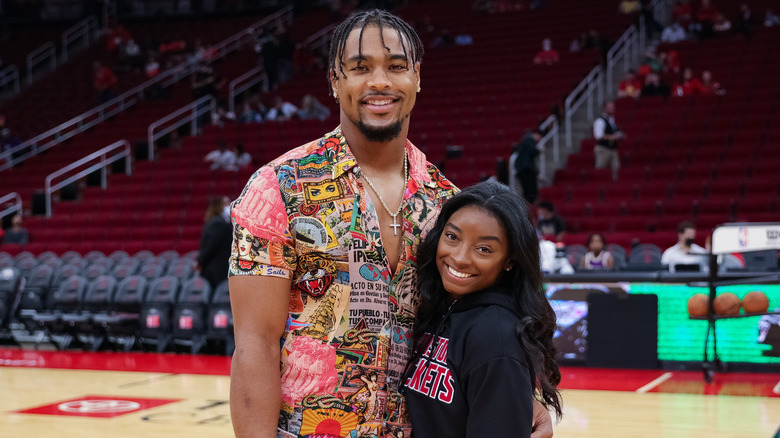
(524,280)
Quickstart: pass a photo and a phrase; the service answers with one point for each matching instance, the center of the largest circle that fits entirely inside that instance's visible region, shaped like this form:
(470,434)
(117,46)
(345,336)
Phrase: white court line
(661,379)
(776,389)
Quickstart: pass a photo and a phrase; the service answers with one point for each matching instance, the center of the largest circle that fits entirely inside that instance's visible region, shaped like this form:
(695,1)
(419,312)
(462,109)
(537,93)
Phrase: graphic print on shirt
(306,217)
(430,375)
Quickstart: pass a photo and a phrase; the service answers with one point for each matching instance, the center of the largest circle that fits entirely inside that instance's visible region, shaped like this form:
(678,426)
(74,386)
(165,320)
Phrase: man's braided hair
(362,20)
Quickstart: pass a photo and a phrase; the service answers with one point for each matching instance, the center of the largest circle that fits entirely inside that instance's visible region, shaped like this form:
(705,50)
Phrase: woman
(597,257)
(483,339)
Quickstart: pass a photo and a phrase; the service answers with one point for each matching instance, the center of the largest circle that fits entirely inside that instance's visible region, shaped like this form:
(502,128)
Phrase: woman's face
(473,250)
(596,244)
(244,242)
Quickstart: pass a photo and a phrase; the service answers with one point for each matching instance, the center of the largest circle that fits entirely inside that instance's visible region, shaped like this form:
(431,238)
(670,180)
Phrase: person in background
(526,169)
(222,158)
(243,159)
(548,55)
(550,224)
(311,108)
(484,322)
(103,79)
(281,111)
(215,241)
(685,252)
(608,137)
(16,233)
(597,257)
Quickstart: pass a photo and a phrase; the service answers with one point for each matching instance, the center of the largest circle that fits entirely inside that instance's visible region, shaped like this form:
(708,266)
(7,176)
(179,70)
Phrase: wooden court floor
(95,396)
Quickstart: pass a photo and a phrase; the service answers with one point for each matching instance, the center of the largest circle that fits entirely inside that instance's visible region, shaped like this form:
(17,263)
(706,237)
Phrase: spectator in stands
(526,169)
(204,82)
(286,51)
(8,140)
(103,79)
(243,159)
(597,257)
(311,109)
(269,55)
(685,252)
(744,24)
(770,19)
(130,57)
(709,85)
(630,86)
(248,114)
(221,116)
(444,39)
(689,85)
(550,224)
(654,87)
(281,111)
(215,241)
(704,19)
(221,159)
(548,55)
(152,67)
(674,33)
(722,25)
(16,233)
(682,13)
(464,39)
(608,137)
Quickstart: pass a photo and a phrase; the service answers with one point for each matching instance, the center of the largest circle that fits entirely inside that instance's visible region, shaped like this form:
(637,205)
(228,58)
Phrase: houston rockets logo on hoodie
(431,376)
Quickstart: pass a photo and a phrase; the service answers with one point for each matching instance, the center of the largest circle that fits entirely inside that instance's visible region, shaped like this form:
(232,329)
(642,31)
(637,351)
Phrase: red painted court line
(106,361)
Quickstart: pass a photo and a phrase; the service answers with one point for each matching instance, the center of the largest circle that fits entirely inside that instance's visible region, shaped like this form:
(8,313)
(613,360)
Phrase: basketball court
(94,395)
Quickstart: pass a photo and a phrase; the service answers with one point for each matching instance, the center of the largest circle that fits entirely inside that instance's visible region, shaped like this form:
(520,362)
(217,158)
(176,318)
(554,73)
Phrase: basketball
(726,304)
(697,305)
(755,302)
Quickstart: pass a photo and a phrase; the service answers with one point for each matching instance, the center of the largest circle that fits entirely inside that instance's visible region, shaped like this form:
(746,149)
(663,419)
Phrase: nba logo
(742,236)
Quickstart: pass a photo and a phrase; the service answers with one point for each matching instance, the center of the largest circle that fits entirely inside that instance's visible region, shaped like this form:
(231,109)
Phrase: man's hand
(542,425)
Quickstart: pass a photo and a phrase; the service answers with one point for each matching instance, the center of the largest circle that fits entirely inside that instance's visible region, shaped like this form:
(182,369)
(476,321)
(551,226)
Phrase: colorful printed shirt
(306,216)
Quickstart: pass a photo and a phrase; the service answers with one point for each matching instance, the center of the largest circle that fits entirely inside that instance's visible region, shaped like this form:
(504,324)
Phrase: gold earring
(335,94)
(418,88)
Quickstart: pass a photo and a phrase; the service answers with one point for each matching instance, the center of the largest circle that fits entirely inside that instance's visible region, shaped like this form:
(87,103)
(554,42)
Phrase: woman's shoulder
(491,332)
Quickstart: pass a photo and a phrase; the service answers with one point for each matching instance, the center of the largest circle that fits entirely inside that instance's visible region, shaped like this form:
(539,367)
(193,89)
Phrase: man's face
(379,90)
(688,233)
(609,109)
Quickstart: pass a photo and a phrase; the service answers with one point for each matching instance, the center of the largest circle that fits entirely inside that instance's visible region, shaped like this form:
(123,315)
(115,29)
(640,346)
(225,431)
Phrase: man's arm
(260,314)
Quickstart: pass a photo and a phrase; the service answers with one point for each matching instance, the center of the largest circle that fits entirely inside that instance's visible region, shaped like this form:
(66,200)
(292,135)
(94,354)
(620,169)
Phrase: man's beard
(380,135)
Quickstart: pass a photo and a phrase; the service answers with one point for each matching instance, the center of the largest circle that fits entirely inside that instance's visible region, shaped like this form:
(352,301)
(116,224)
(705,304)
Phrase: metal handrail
(626,49)
(243,83)
(8,75)
(593,83)
(105,161)
(39,55)
(118,104)
(320,38)
(17,206)
(193,110)
(85,30)
(550,123)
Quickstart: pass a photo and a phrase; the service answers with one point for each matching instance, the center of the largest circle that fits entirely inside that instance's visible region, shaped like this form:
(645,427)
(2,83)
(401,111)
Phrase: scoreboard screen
(754,339)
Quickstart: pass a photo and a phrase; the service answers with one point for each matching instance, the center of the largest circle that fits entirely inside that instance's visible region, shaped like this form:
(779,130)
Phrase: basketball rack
(726,239)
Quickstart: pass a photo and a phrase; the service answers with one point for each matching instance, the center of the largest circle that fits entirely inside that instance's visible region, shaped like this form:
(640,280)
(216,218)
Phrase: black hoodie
(473,380)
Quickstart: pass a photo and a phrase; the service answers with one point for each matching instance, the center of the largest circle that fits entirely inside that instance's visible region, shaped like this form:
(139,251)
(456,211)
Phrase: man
(324,254)
(608,136)
(685,252)
(525,167)
(550,224)
(16,233)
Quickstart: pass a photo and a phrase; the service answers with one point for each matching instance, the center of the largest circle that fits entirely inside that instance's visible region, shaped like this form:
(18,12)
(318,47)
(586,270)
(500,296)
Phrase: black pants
(529,184)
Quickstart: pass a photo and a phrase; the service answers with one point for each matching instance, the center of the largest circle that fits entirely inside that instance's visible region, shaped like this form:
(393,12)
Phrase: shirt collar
(334,146)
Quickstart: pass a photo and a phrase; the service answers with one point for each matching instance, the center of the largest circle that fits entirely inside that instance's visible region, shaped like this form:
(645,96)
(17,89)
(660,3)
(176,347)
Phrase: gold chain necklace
(395,225)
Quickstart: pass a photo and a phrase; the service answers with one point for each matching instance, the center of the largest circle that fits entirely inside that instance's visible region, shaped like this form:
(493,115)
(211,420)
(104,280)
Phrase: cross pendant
(395,225)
